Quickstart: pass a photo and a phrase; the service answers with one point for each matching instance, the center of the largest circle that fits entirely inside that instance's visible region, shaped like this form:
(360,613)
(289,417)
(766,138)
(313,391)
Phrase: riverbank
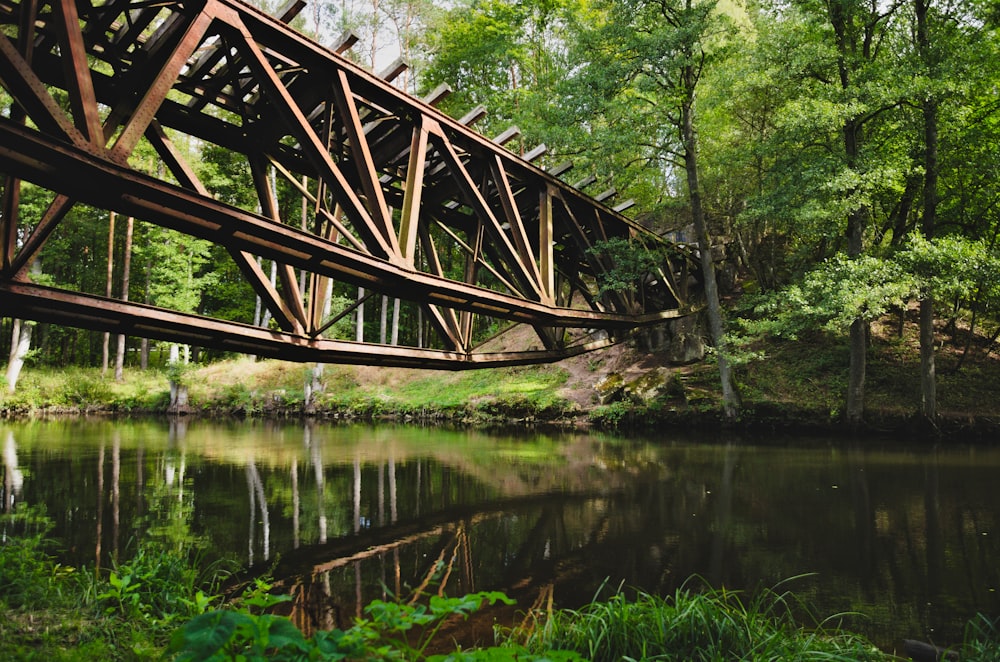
(791,387)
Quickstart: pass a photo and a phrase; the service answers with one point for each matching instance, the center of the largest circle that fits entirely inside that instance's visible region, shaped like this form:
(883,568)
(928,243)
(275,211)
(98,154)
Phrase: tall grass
(706,626)
(982,640)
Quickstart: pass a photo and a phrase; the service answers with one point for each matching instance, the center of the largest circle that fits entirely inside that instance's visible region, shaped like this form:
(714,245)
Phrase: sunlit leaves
(839,290)
(628,263)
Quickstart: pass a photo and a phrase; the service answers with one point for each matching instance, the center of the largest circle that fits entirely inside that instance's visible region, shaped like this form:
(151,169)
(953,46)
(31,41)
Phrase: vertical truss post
(546,262)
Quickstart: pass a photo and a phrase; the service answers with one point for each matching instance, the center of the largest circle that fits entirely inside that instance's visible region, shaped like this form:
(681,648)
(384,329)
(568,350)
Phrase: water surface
(904,537)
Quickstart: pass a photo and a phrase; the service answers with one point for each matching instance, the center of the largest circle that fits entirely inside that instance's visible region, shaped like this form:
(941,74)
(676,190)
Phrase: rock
(918,651)
(679,340)
(641,390)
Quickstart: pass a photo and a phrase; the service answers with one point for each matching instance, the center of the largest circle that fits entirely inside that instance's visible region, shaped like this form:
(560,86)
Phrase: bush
(83,388)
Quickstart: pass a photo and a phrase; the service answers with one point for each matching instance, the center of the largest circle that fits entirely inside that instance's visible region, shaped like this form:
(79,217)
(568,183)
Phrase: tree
(509,57)
(651,56)
(840,157)
(948,49)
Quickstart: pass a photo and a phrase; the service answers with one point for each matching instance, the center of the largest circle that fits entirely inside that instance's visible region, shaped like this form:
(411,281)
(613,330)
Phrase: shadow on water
(902,541)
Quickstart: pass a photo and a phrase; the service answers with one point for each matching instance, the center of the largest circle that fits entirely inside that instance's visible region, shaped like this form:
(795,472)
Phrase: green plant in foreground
(982,640)
(391,631)
(707,626)
(154,586)
(28,574)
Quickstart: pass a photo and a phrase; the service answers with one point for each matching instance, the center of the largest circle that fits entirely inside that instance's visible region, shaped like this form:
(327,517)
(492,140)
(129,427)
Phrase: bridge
(388,184)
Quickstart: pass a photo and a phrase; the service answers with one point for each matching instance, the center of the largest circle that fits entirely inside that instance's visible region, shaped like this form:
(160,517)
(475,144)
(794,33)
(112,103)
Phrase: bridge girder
(388,186)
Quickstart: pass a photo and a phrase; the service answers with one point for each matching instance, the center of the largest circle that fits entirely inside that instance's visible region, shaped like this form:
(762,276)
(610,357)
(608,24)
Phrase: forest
(838,156)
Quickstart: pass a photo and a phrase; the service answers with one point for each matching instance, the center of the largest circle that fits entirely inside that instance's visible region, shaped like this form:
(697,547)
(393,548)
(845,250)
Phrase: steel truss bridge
(389,185)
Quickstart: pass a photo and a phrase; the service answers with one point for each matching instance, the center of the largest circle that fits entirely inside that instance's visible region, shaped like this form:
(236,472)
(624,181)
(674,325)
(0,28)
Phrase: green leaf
(282,634)
(205,635)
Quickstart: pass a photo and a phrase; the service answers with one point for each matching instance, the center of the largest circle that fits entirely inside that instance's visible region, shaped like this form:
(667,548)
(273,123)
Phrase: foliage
(982,640)
(29,575)
(391,630)
(832,296)
(610,416)
(952,267)
(155,586)
(839,290)
(690,626)
(508,56)
(84,387)
(56,612)
(631,263)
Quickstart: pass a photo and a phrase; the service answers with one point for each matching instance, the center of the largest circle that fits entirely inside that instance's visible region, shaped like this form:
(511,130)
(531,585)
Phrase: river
(903,540)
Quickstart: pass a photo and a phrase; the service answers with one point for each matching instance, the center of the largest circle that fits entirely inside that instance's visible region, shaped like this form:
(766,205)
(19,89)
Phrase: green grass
(252,388)
(715,625)
(45,387)
(799,381)
(705,626)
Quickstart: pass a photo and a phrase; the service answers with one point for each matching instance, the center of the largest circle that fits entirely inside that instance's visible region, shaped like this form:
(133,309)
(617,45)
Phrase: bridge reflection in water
(339,516)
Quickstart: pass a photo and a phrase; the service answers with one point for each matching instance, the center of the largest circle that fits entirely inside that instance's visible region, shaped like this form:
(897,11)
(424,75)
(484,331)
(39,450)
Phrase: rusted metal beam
(28,301)
(74,57)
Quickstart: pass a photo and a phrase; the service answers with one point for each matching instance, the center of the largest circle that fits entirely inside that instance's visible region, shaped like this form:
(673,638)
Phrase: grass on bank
(82,388)
(250,387)
(159,606)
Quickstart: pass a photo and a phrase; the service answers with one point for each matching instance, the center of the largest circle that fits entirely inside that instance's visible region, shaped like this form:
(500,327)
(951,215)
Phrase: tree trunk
(856,372)
(20,342)
(126,274)
(395,323)
(313,386)
(144,343)
(928,381)
(265,318)
(257,303)
(105,348)
(420,327)
(15,334)
(856,223)
(716,323)
(20,345)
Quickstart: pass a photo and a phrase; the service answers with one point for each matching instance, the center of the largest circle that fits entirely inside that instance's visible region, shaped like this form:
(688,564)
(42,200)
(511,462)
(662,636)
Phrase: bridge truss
(388,184)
